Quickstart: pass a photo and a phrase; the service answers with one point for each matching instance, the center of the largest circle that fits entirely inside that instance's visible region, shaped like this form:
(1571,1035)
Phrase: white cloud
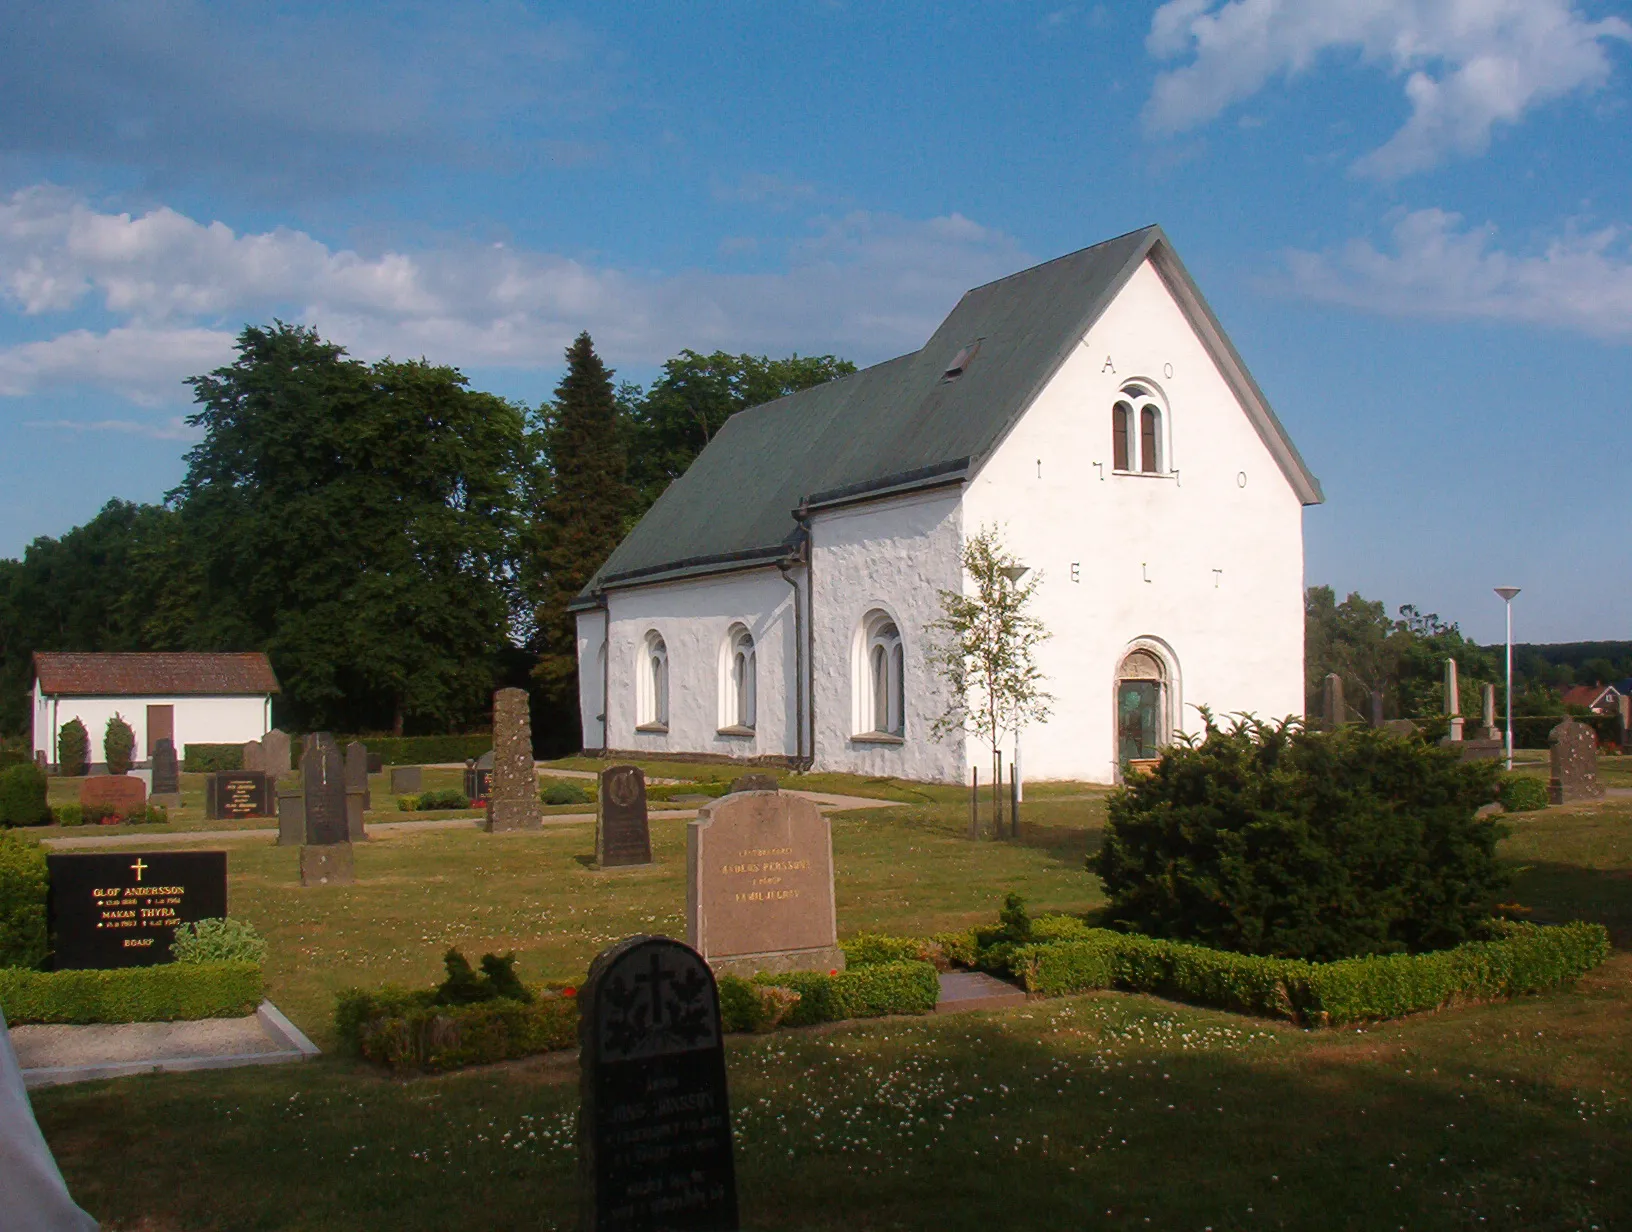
(173,429)
(863,285)
(1438,267)
(1468,65)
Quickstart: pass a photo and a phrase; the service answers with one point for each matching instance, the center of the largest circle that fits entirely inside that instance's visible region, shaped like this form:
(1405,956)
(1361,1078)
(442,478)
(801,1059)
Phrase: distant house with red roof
(1598,698)
(186,698)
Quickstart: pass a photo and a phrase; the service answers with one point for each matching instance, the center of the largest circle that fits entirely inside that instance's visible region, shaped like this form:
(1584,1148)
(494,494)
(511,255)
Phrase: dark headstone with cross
(121,910)
(325,856)
(623,835)
(654,1126)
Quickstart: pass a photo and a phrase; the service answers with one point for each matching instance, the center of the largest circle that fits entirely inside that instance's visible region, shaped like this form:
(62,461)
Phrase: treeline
(1403,658)
(397,542)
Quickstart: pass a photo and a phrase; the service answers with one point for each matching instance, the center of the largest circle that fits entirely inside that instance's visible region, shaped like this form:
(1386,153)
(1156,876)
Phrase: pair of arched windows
(739,681)
(1136,431)
(880,678)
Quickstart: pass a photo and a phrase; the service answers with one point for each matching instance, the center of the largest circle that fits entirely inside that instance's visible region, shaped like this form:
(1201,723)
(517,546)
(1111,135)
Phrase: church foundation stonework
(1574,754)
(759,886)
(512,792)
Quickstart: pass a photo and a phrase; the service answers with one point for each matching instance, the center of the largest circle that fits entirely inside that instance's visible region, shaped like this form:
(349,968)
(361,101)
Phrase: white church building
(772,605)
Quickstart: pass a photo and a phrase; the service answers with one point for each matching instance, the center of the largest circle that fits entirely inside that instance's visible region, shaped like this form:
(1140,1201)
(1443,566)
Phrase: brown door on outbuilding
(161,725)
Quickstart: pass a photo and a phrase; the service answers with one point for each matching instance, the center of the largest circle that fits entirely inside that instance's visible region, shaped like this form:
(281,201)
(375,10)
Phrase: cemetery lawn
(1107,1110)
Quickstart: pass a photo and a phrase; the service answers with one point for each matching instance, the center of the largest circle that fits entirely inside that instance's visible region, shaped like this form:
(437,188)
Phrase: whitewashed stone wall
(198,720)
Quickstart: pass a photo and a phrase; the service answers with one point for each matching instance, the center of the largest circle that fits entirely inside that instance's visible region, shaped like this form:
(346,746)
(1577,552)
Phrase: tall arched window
(880,684)
(739,682)
(1138,434)
(1142,700)
(653,684)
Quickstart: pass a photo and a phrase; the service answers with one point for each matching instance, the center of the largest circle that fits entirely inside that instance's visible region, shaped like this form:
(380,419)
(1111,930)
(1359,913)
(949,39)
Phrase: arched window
(880,684)
(652,683)
(1138,434)
(1142,698)
(739,681)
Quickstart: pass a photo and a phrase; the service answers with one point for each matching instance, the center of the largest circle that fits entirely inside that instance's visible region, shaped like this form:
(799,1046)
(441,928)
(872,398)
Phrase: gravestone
(325,855)
(233,794)
(407,779)
(357,785)
(1453,701)
(759,886)
(654,1121)
(125,794)
(121,910)
(512,792)
(376,762)
(622,833)
(479,777)
(1333,712)
(275,752)
(1623,707)
(166,773)
(254,756)
(753,782)
(291,814)
(1400,727)
(1574,753)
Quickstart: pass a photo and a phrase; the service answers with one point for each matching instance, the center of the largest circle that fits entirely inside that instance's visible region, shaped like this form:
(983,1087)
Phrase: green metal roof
(899,425)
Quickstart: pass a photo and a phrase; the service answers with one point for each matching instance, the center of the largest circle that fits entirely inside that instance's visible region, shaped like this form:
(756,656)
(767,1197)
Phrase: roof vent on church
(962,360)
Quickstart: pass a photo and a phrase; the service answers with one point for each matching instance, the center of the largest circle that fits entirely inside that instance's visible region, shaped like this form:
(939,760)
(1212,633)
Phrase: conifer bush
(1270,840)
(22,796)
(1522,793)
(118,743)
(73,749)
(22,901)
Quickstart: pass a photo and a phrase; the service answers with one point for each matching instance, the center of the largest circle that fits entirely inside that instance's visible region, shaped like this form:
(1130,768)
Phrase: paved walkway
(827,801)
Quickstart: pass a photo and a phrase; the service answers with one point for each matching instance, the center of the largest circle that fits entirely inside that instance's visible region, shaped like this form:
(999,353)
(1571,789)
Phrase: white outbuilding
(773,604)
(187,698)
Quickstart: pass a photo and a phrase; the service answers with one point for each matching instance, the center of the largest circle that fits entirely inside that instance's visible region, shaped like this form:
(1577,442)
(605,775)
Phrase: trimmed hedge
(869,991)
(1530,731)
(162,993)
(208,758)
(941,950)
(1522,793)
(1526,958)
(406,1029)
(23,886)
(415,750)
(22,796)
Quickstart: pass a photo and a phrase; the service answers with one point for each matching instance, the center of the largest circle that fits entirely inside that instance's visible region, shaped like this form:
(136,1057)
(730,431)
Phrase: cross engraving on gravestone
(654,1123)
(622,833)
(122,910)
(1573,749)
(759,886)
(325,856)
(512,793)
(166,773)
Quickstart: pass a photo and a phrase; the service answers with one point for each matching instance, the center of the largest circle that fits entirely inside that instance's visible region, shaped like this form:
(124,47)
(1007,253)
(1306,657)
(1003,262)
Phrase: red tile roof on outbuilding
(63,674)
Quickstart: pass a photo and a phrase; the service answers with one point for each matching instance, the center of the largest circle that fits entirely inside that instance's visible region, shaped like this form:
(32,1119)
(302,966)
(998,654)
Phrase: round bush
(1267,839)
(1522,793)
(567,793)
(22,901)
(73,749)
(219,940)
(22,796)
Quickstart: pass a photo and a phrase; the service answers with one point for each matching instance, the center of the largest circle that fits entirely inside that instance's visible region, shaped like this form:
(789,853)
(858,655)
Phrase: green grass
(1107,1110)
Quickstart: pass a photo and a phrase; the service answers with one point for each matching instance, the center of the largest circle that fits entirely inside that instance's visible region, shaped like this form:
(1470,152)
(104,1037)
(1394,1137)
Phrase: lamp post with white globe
(1507,593)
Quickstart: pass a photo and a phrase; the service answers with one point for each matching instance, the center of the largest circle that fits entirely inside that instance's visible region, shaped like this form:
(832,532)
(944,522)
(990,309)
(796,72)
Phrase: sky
(1412,217)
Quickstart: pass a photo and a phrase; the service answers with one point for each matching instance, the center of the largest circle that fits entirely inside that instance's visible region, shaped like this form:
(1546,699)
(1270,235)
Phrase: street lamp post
(1507,593)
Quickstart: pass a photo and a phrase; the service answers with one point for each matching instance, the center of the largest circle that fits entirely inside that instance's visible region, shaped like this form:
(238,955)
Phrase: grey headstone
(622,833)
(1623,707)
(357,771)
(166,769)
(1332,711)
(1574,754)
(753,782)
(275,752)
(406,779)
(254,756)
(654,1121)
(291,815)
(1488,717)
(323,783)
(512,793)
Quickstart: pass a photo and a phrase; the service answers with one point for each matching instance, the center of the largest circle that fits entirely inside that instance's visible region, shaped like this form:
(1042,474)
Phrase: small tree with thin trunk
(987,655)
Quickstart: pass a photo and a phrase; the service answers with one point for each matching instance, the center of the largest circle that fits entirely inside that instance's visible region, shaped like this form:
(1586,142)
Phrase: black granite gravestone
(622,834)
(166,772)
(122,910)
(324,781)
(654,1125)
(232,794)
(478,774)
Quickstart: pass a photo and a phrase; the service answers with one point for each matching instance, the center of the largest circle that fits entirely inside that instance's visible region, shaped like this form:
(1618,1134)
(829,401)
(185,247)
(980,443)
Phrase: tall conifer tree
(582,515)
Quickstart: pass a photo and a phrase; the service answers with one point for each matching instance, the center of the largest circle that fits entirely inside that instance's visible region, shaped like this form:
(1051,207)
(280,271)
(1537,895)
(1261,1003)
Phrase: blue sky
(1411,215)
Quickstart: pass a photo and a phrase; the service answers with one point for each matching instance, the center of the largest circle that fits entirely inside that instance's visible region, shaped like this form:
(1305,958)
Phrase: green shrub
(1525,958)
(1522,793)
(118,744)
(863,992)
(942,950)
(209,758)
(73,748)
(69,815)
(668,791)
(22,901)
(22,796)
(443,798)
(567,793)
(414,750)
(1266,839)
(157,815)
(162,993)
(98,813)
(409,1030)
(746,1006)
(219,940)
(464,987)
